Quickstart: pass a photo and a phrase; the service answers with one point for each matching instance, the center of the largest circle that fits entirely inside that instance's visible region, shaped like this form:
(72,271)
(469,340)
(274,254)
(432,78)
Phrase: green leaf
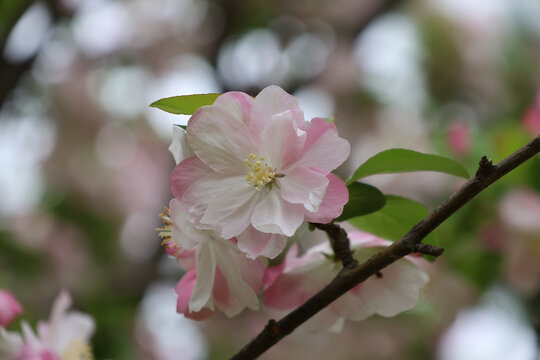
(403,160)
(363,199)
(394,220)
(184,104)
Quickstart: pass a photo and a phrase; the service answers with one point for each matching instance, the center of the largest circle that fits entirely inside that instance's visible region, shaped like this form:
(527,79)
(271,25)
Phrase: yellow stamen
(260,174)
(165,232)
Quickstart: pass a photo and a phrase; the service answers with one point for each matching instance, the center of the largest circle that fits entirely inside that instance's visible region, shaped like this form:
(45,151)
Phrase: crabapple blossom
(218,278)
(395,289)
(64,337)
(9,308)
(259,170)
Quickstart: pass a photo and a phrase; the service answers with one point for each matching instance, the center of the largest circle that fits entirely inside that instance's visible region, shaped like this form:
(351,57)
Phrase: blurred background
(84,164)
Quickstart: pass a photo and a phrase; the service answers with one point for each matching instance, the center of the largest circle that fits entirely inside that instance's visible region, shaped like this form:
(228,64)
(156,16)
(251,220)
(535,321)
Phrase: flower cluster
(249,173)
(64,337)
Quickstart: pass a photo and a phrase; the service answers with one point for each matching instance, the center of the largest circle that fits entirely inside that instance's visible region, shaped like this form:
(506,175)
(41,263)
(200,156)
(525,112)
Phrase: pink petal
(299,282)
(282,140)
(10,308)
(304,186)
(277,216)
(270,101)
(252,271)
(363,239)
(221,141)
(273,273)
(186,173)
(255,243)
(184,289)
(288,292)
(324,149)
(335,198)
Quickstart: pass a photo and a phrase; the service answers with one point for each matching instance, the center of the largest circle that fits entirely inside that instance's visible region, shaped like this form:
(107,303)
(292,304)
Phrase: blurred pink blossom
(458,138)
(10,308)
(531,118)
(64,336)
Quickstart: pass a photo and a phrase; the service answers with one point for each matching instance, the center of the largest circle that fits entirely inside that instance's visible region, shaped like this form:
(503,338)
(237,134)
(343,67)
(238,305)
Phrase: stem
(348,278)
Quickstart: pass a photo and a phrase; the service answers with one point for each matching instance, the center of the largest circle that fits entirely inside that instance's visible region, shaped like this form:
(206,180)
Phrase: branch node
(272,328)
(485,167)
(428,249)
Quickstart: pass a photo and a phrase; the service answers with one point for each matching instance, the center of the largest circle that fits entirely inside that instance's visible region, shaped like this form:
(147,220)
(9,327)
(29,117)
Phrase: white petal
(398,290)
(238,287)
(206,270)
(199,195)
(179,147)
(277,216)
(232,207)
(325,320)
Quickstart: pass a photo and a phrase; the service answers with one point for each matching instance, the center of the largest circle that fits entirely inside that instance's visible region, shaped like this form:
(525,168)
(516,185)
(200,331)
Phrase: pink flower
(458,138)
(218,278)
(9,308)
(395,289)
(531,118)
(259,170)
(64,336)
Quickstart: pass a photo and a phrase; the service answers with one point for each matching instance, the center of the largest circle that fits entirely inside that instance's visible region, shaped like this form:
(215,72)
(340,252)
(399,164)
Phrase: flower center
(259,174)
(77,350)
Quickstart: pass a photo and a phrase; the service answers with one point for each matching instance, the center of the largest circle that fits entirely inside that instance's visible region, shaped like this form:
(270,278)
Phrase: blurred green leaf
(394,220)
(363,199)
(403,160)
(184,104)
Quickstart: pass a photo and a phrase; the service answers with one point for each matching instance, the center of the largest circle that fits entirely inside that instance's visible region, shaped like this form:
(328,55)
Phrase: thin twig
(350,277)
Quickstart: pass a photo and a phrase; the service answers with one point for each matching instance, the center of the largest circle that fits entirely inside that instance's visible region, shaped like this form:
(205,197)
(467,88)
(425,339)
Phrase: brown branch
(428,250)
(350,277)
(340,243)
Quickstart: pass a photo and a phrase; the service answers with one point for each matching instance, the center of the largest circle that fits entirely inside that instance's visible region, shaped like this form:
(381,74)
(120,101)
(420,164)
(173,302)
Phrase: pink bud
(9,308)
(531,120)
(458,138)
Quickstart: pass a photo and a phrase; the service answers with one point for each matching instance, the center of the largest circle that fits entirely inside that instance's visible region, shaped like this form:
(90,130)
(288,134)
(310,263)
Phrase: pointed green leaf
(403,160)
(363,199)
(184,104)
(394,220)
